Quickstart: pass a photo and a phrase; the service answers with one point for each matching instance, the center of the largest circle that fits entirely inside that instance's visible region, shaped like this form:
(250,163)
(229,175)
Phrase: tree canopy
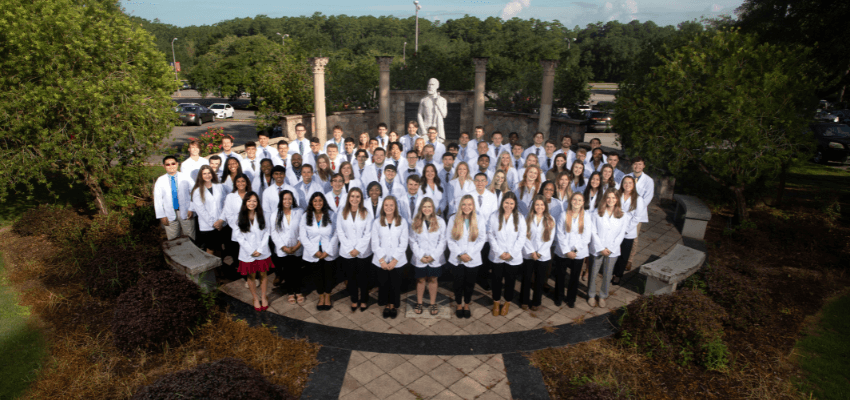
(83,93)
(721,103)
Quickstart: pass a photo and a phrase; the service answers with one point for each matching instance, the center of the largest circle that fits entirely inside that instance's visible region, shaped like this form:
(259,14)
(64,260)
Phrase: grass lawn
(824,353)
(23,347)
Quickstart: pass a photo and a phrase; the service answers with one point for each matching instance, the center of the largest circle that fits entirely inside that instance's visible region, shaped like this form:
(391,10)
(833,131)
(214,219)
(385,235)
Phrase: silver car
(196,115)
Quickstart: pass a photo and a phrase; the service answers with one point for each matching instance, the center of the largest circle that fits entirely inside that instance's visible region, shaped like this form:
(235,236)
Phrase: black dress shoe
(571,305)
(394,313)
(459,313)
(558,303)
(615,281)
(467,314)
(363,308)
(386,313)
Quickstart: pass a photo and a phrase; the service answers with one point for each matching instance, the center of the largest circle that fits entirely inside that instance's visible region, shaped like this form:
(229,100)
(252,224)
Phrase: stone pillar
(480,78)
(546,98)
(384,89)
(321,129)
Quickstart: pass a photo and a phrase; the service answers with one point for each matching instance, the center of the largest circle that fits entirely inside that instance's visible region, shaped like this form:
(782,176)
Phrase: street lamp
(570,42)
(418,7)
(174,61)
(281,37)
(404,54)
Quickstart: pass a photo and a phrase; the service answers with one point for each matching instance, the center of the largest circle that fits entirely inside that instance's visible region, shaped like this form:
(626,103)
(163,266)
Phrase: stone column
(480,78)
(321,129)
(546,98)
(384,89)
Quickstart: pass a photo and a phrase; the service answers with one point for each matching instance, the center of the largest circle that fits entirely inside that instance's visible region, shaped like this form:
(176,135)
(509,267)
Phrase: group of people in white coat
(372,215)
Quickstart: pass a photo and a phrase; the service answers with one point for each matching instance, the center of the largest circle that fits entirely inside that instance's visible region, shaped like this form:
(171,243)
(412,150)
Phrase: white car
(222,110)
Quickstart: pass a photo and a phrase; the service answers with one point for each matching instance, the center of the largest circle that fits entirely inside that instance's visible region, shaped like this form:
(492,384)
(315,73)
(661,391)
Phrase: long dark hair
(262,175)
(633,196)
(326,209)
(580,177)
(423,181)
(244,224)
(226,172)
(247,183)
(280,206)
(587,190)
(199,180)
(515,213)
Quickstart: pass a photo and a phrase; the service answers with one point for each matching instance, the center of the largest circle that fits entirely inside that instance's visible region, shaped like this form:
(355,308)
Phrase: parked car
(196,115)
(222,110)
(843,116)
(833,142)
(599,120)
(177,107)
(826,116)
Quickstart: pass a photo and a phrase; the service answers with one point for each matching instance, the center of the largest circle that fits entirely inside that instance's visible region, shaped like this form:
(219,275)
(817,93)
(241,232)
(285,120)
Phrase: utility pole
(404,54)
(418,7)
(281,37)
(174,61)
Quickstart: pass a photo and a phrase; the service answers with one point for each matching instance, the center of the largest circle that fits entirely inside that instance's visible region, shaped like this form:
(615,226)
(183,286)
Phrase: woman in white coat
(461,184)
(467,234)
(321,245)
(528,187)
(432,187)
(389,245)
(507,236)
(230,215)
(609,227)
(428,245)
(354,228)
(207,202)
(286,223)
(635,210)
(537,251)
(252,234)
(574,234)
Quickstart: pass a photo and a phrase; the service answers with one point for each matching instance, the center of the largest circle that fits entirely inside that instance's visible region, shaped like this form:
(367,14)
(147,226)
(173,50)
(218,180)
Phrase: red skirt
(246,268)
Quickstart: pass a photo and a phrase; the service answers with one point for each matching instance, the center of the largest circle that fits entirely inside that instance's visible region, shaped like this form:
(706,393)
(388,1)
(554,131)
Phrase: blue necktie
(412,205)
(300,147)
(174,197)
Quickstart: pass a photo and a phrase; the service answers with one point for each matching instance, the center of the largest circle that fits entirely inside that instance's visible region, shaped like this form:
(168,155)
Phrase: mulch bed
(796,255)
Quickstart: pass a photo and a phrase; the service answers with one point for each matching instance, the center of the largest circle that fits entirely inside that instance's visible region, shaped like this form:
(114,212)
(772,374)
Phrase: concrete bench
(696,215)
(664,274)
(187,259)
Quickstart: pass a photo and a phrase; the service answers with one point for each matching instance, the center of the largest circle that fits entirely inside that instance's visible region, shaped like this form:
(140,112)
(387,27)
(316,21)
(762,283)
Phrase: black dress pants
(464,282)
(536,271)
(357,272)
(563,266)
(507,273)
(291,271)
(323,275)
(389,287)
(625,251)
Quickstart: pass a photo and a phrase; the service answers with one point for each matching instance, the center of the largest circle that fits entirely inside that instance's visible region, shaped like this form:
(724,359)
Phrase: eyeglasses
(170,164)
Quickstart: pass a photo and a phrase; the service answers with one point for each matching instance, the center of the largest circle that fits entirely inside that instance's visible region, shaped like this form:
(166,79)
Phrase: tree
(286,87)
(83,93)
(733,108)
(233,65)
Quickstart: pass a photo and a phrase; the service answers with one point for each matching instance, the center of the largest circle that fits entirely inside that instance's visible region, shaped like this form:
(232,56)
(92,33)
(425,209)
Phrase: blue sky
(570,13)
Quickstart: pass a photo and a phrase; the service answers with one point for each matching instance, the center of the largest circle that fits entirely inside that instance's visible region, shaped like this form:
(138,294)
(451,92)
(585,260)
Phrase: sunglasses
(170,164)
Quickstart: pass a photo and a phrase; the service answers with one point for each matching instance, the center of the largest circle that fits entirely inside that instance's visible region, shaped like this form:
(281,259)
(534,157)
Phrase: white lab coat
(191,167)
(230,211)
(590,200)
(541,154)
(293,146)
(248,170)
(429,244)
(556,207)
(390,242)
(536,243)
(304,192)
(618,176)
(407,142)
(343,197)
(163,202)
(489,204)
(404,205)
(464,245)
(255,239)
(439,149)
(567,241)
(259,185)
(506,240)
(459,190)
(267,152)
(526,196)
(287,235)
(354,183)
(571,156)
(271,198)
(645,187)
(354,232)
(313,235)
(439,198)
(608,233)
(635,216)
(208,209)
(370,173)
(398,190)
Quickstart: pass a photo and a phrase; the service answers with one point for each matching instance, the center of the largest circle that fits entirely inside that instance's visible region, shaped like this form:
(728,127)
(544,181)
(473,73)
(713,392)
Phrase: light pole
(404,54)
(570,42)
(418,7)
(281,37)
(174,61)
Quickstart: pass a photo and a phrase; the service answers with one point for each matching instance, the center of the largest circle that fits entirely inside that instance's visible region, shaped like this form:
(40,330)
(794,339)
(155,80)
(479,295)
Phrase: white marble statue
(432,110)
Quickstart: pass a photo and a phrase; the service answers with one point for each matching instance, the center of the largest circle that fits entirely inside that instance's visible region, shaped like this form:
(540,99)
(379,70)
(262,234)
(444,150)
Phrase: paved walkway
(459,360)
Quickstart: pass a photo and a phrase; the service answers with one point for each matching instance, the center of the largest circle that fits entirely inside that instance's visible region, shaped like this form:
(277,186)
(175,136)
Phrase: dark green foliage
(685,327)
(746,301)
(114,268)
(161,310)
(59,224)
(225,379)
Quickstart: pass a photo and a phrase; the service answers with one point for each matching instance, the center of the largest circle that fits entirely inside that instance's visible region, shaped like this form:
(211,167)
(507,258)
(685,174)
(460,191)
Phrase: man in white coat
(614,160)
(271,196)
(227,152)
(412,165)
(409,203)
(171,201)
(644,184)
(375,171)
(300,145)
(307,186)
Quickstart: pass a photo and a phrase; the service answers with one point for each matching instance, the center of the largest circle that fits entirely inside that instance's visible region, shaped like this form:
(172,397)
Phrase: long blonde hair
(548,221)
(468,177)
(457,228)
(499,161)
(361,209)
(523,184)
(503,187)
(569,218)
(395,217)
(617,212)
(420,218)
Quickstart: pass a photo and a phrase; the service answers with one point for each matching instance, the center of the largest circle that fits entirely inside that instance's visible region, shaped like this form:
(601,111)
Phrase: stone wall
(526,126)
(398,99)
(352,122)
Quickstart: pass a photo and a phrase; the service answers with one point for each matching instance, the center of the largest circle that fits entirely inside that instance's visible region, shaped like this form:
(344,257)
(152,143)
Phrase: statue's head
(433,85)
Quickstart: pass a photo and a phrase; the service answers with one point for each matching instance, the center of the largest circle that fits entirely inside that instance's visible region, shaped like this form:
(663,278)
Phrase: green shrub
(114,268)
(744,299)
(676,327)
(225,379)
(161,310)
(60,224)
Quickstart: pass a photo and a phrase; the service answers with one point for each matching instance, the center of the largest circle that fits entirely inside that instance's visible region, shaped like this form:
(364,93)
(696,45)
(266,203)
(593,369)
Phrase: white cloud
(514,7)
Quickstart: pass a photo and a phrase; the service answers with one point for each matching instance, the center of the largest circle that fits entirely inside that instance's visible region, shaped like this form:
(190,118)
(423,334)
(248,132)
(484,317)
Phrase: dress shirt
(539,151)
(163,199)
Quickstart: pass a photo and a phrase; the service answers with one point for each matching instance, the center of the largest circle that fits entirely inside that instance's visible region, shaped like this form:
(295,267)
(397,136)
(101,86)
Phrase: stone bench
(187,259)
(696,215)
(664,274)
